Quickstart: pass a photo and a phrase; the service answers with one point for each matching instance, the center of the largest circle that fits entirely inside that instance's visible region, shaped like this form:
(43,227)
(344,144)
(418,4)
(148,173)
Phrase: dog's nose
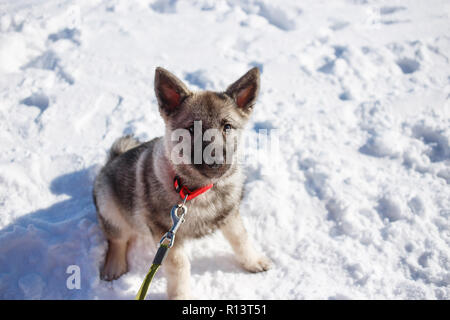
(214,165)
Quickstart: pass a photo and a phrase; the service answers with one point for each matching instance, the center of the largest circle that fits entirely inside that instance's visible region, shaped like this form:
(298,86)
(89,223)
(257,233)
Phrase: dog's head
(203,129)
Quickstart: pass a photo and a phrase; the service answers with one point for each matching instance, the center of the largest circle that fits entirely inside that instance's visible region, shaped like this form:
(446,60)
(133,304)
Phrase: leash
(168,238)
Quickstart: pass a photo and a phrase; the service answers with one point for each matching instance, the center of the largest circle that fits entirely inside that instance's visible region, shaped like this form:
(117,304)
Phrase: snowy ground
(358,206)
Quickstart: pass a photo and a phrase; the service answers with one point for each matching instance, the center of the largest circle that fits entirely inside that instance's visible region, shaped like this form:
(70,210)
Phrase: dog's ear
(169,90)
(245,90)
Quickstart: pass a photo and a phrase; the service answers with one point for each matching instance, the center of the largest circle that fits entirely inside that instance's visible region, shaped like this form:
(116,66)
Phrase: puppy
(134,192)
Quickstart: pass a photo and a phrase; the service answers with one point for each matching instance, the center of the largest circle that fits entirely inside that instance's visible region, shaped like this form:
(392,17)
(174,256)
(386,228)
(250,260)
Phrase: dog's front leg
(178,271)
(250,259)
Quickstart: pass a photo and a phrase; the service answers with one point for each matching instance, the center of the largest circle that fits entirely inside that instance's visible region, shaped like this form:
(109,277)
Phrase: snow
(356,203)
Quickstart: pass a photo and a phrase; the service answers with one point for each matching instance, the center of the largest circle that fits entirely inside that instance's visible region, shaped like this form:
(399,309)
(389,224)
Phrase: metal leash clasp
(177,220)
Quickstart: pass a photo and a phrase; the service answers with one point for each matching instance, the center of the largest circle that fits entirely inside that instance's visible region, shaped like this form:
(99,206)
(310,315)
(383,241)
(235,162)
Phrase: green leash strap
(163,250)
(157,261)
(148,279)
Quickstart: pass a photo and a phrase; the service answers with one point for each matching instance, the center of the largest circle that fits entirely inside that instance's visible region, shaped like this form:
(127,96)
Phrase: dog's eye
(227,128)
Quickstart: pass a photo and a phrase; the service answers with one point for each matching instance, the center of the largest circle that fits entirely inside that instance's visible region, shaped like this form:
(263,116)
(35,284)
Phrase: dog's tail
(122,145)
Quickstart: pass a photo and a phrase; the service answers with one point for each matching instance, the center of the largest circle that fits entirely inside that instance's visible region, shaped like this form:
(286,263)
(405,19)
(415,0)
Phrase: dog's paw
(258,263)
(113,269)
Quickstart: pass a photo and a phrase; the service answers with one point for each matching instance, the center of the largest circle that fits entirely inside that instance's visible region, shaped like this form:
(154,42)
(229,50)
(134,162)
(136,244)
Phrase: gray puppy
(134,192)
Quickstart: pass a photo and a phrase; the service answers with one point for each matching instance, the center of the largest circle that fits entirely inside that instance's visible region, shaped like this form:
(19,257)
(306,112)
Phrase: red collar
(183,190)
